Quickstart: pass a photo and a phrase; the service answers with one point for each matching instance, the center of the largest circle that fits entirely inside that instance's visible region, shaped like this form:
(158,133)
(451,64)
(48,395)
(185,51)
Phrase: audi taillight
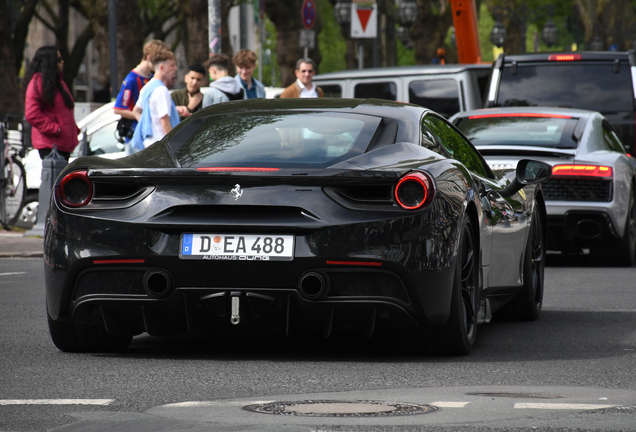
(579,170)
(414,191)
(76,189)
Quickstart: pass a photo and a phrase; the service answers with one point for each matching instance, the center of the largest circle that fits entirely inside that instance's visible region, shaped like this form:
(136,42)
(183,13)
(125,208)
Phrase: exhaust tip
(157,282)
(589,229)
(312,284)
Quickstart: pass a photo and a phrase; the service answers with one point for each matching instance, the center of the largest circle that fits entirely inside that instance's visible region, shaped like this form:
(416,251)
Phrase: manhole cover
(327,408)
(517,395)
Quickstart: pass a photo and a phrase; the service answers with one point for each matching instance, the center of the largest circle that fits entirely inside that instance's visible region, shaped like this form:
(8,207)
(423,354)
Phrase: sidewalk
(13,244)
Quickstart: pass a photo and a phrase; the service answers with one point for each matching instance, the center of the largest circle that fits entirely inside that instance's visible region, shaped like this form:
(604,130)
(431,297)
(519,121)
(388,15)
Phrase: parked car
(294,216)
(590,196)
(445,89)
(596,81)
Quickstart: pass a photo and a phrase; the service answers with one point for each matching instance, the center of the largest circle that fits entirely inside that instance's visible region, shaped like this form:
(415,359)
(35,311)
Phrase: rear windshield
(572,85)
(274,139)
(525,131)
(442,95)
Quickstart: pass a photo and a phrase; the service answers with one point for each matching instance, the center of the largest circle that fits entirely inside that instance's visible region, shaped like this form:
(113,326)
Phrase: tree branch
(49,9)
(44,21)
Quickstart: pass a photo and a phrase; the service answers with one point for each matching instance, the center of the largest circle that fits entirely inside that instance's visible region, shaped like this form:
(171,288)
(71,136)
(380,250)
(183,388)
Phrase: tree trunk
(130,40)
(21,30)
(97,14)
(195,30)
(429,31)
(613,21)
(389,47)
(12,101)
(286,16)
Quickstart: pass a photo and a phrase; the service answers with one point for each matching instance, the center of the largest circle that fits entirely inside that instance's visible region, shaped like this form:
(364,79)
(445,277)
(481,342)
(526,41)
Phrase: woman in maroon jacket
(49,104)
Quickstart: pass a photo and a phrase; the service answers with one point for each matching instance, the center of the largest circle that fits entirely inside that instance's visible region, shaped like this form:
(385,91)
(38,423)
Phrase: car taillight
(414,191)
(582,171)
(564,57)
(76,189)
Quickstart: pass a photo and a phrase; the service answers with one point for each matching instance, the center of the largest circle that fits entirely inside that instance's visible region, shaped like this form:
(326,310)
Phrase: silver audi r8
(590,196)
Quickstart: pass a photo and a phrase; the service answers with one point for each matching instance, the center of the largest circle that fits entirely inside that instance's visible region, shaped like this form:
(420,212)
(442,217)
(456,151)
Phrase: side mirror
(528,172)
(532,171)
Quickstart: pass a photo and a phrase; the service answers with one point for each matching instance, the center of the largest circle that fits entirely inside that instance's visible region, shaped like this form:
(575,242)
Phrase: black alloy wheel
(626,255)
(457,336)
(526,305)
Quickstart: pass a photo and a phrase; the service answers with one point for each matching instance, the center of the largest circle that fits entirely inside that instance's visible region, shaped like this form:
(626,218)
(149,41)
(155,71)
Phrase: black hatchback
(595,81)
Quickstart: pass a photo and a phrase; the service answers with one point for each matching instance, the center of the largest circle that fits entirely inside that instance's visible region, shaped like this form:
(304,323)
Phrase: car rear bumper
(131,279)
(580,229)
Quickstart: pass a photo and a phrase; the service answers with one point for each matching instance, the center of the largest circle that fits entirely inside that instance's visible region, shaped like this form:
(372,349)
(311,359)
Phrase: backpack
(234,96)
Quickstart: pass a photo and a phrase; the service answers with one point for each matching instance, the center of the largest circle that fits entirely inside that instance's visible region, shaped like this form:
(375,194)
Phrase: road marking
(195,404)
(56,401)
(450,404)
(561,406)
(11,273)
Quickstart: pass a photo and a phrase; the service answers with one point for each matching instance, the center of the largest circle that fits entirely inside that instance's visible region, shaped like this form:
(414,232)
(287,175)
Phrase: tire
(70,337)
(28,216)
(14,190)
(625,253)
(526,305)
(457,336)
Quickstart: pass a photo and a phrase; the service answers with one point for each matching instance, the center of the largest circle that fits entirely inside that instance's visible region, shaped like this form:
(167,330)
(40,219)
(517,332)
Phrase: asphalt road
(573,369)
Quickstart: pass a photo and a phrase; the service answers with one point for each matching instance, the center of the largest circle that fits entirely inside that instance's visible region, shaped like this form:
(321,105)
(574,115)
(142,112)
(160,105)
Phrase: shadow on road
(557,335)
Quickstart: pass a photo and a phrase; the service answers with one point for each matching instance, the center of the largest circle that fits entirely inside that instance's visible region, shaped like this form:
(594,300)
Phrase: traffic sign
(309,13)
(364,19)
(307,39)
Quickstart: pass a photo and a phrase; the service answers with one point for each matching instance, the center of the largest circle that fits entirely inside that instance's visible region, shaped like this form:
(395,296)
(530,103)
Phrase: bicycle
(13,186)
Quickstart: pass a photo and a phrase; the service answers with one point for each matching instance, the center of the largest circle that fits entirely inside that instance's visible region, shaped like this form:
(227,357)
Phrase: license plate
(246,247)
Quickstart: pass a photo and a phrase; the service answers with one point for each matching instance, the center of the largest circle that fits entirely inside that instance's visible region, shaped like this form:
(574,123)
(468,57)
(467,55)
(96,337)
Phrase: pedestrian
(224,88)
(441,55)
(155,110)
(49,105)
(245,62)
(130,88)
(190,99)
(303,87)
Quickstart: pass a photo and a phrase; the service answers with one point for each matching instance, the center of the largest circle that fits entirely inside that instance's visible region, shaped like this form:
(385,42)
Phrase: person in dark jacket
(48,105)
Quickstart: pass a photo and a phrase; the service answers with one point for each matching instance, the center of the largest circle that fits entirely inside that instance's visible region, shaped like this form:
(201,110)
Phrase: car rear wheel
(526,305)
(625,254)
(457,336)
(71,337)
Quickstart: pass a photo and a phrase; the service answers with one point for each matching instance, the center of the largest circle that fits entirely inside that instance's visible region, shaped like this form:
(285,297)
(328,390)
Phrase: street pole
(112,39)
(214,26)
(261,41)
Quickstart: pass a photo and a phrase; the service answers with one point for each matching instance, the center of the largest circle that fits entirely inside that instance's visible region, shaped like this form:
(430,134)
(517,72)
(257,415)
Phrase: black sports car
(294,216)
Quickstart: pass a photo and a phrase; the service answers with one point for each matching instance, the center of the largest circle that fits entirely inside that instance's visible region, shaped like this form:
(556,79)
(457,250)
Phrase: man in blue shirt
(132,85)
(245,62)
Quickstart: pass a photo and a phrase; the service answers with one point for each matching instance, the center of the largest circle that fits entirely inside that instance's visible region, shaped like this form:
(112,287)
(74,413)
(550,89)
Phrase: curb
(21,254)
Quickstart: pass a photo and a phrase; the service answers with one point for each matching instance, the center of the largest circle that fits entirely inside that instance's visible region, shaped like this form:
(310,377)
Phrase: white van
(446,89)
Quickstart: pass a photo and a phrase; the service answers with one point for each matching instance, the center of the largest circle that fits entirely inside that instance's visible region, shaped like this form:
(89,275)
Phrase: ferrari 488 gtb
(294,216)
